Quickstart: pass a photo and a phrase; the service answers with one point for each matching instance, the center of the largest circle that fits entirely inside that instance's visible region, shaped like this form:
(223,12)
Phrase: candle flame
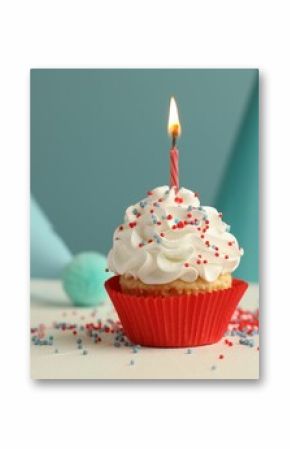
(174,128)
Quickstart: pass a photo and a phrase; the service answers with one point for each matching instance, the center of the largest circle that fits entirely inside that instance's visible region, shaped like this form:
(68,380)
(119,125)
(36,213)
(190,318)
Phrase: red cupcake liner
(175,321)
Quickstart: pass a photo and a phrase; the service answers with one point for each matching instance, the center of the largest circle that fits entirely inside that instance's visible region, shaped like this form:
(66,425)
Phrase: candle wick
(173,140)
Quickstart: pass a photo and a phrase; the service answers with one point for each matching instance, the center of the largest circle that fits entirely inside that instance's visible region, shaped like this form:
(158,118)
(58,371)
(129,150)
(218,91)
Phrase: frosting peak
(169,235)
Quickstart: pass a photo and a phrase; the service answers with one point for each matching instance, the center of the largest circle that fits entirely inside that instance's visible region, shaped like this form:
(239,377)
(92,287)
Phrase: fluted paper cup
(177,320)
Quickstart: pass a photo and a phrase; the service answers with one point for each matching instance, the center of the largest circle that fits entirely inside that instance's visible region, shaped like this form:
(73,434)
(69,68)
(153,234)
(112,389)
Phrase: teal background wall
(99,143)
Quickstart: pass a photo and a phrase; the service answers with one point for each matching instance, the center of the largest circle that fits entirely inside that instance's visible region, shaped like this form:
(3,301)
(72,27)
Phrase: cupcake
(173,260)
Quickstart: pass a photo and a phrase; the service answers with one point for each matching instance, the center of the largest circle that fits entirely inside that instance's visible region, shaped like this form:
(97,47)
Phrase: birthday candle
(174,130)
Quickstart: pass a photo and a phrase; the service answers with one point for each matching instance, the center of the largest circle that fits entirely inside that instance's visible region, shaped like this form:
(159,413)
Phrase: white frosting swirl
(169,236)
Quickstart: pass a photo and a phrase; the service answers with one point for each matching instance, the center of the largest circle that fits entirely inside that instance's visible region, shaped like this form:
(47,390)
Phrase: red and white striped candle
(174,168)
(174,130)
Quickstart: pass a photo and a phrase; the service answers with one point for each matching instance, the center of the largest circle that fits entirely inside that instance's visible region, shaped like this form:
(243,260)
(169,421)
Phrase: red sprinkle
(189,215)
(178,200)
(132,224)
(216,254)
(205,261)
(221,356)
(226,256)
(186,264)
(150,241)
(162,234)
(121,228)
(180,224)
(206,222)
(149,193)
(169,217)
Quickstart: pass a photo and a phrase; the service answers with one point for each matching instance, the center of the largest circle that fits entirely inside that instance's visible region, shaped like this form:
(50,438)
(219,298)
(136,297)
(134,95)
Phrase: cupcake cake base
(131,285)
(179,320)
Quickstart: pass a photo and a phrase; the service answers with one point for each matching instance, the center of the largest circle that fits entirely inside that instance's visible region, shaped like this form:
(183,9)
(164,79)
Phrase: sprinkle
(85,352)
(226,256)
(169,217)
(132,224)
(206,222)
(216,254)
(189,215)
(178,200)
(230,243)
(186,264)
(162,234)
(189,351)
(246,342)
(189,208)
(56,351)
(135,212)
(205,261)
(142,204)
(132,362)
(149,193)
(180,225)
(121,228)
(221,356)
(213,367)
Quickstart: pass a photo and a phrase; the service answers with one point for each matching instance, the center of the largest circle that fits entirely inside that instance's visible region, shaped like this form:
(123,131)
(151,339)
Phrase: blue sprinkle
(247,342)
(135,212)
(56,351)
(189,208)
(135,350)
(79,340)
(117,344)
(80,346)
(132,362)
(228,228)
(166,192)
(213,367)
(176,220)
(200,208)
(189,351)
(142,204)
(85,352)
(51,337)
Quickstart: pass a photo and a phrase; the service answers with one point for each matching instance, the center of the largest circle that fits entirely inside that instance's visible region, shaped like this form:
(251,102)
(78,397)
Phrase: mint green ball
(83,279)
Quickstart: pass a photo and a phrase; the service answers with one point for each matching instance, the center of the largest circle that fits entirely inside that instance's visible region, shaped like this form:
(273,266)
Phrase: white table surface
(105,361)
